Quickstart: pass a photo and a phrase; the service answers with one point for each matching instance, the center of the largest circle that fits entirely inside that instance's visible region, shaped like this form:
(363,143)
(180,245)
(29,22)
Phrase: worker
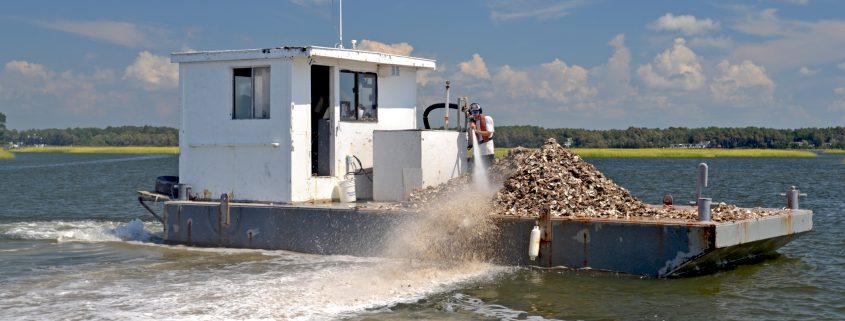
(483,128)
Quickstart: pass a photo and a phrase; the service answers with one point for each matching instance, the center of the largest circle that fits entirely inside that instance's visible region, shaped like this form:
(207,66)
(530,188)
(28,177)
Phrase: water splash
(479,171)
(456,228)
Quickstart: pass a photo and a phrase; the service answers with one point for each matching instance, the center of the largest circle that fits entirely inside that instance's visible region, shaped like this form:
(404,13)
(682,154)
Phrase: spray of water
(479,172)
(453,229)
(449,241)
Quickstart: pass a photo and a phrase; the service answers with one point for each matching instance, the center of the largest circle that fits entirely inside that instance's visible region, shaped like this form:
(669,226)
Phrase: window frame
(253,109)
(357,98)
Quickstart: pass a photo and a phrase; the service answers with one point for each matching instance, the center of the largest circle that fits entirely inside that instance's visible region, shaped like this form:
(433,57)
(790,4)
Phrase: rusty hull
(657,248)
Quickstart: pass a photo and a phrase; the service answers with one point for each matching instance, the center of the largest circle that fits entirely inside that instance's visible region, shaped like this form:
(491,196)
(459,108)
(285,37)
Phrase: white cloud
(27,69)
(425,76)
(804,71)
(619,64)
(792,43)
(742,84)
(513,93)
(562,83)
(402,48)
(555,81)
(766,23)
(512,81)
(614,78)
(840,90)
(536,9)
(153,72)
(76,93)
(38,97)
(122,33)
(841,66)
(675,68)
(687,24)
(721,42)
(475,67)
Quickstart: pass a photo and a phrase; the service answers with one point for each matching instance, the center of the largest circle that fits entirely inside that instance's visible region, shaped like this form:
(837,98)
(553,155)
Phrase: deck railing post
(704,209)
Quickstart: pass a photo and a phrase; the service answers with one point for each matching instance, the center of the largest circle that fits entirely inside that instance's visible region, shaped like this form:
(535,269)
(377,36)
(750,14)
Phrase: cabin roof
(309,51)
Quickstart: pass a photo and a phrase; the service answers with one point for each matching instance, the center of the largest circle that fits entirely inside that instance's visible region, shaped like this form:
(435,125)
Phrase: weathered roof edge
(310,51)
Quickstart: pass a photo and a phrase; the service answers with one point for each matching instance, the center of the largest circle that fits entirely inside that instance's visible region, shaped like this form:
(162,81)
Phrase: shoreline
(100,149)
(584,152)
(680,153)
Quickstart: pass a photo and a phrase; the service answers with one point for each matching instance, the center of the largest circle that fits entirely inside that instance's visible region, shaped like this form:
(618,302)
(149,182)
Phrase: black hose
(433,107)
(360,170)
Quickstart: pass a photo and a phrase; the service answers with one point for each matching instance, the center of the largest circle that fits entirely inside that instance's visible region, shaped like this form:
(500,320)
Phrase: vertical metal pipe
(340,25)
(446,105)
(702,180)
(704,209)
(458,114)
(792,195)
(792,198)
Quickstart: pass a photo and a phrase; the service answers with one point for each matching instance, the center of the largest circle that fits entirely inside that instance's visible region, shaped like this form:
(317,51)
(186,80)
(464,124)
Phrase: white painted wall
(444,156)
(396,110)
(270,159)
(407,159)
(219,154)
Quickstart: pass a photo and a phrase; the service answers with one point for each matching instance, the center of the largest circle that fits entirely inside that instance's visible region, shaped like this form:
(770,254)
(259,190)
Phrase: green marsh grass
(6,155)
(100,150)
(680,153)
(833,151)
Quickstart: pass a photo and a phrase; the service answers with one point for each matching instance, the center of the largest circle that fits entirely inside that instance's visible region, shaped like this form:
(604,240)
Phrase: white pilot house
(283,124)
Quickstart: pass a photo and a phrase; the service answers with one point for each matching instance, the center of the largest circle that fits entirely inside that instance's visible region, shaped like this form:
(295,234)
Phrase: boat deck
(653,247)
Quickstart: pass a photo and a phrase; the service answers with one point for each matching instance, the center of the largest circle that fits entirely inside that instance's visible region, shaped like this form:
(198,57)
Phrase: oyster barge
(269,138)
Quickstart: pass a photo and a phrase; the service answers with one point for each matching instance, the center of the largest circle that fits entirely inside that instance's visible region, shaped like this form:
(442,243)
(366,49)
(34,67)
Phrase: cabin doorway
(321,121)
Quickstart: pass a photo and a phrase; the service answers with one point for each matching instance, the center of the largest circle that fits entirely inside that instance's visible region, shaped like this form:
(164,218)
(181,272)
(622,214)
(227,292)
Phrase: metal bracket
(141,200)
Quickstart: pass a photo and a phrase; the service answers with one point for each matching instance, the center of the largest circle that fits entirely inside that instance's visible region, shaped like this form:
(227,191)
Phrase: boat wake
(82,231)
(97,276)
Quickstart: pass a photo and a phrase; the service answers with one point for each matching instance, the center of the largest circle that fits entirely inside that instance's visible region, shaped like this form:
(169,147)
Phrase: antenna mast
(340,25)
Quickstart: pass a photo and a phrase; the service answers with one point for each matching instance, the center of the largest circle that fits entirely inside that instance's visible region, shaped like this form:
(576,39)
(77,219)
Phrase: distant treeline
(109,136)
(634,137)
(506,136)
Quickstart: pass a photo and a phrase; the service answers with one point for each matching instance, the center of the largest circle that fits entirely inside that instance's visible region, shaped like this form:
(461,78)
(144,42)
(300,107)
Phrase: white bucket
(346,190)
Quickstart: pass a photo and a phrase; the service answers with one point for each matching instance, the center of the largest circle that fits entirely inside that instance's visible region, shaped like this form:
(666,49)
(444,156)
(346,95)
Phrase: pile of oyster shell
(555,179)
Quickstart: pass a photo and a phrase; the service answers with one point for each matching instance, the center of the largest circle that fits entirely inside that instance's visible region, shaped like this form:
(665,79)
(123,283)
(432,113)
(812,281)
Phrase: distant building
(802,143)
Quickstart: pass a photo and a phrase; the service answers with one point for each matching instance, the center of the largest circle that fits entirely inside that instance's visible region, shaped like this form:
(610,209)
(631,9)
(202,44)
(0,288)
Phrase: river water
(75,245)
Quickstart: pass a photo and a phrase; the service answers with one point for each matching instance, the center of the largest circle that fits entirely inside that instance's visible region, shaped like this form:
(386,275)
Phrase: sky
(576,64)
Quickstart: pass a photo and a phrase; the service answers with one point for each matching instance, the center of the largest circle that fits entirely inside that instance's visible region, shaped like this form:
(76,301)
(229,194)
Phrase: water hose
(433,107)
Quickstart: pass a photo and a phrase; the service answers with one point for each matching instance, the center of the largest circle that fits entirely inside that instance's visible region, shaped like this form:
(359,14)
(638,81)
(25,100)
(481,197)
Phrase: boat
(299,148)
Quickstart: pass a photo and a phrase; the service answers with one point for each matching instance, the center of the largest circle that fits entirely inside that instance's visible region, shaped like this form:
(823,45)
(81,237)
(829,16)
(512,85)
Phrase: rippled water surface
(74,244)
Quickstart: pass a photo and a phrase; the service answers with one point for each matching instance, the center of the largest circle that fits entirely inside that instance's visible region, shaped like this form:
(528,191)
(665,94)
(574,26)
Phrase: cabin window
(251,93)
(358,96)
